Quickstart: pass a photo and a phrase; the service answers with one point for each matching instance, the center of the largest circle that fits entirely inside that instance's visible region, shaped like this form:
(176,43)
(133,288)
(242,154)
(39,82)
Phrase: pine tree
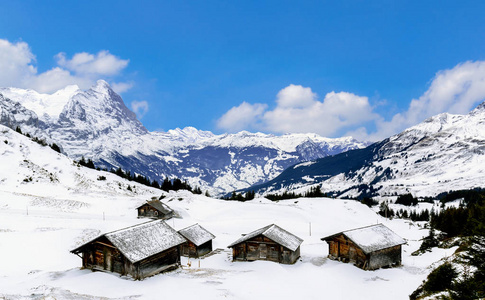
(55,147)
(166,185)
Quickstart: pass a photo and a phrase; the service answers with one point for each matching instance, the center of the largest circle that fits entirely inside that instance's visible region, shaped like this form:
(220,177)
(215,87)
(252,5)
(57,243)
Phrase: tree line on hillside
(41,142)
(466,222)
(313,192)
(167,184)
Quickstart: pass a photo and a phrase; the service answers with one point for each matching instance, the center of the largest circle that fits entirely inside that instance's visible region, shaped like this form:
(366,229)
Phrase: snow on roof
(372,238)
(276,234)
(141,241)
(196,234)
(158,205)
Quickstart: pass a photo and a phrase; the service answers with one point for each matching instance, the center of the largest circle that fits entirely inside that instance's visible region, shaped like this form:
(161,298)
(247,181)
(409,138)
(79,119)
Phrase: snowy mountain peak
(96,124)
(479,109)
(102,86)
(189,134)
(46,106)
(99,110)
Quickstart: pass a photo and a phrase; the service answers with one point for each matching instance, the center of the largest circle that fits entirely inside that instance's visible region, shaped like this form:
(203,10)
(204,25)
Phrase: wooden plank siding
(262,248)
(191,250)
(163,261)
(385,258)
(148,211)
(103,256)
(343,249)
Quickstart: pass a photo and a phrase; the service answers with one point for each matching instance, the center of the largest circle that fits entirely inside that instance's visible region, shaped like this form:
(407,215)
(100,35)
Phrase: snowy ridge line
(97,125)
(442,153)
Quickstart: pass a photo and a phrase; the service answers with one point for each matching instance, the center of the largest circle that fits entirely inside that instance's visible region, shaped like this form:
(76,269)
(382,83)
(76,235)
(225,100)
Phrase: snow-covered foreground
(36,235)
(49,206)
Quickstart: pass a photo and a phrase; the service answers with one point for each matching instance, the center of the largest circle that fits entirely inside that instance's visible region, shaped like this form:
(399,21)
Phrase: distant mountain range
(445,152)
(96,124)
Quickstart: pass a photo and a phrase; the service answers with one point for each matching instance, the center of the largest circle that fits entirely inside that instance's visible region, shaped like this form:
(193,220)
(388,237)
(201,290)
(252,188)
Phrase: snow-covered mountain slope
(445,152)
(49,206)
(96,124)
(28,168)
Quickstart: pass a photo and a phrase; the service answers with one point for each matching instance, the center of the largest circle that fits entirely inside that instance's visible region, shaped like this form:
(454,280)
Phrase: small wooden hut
(139,251)
(199,241)
(155,209)
(268,243)
(369,248)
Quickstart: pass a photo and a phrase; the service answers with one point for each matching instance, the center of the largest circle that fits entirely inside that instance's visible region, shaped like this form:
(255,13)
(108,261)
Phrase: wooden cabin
(199,241)
(369,248)
(138,251)
(268,243)
(155,209)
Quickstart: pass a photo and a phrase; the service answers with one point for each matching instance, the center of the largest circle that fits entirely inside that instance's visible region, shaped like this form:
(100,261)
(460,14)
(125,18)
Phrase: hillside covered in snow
(49,206)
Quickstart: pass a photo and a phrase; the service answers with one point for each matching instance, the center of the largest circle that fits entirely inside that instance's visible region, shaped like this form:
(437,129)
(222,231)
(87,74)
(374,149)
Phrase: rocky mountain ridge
(97,124)
(445,152)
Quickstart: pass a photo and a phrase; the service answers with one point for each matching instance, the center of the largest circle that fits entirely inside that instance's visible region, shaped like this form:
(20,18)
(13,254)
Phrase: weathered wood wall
(262,248)
(343,249)
(385,258)
(166,260)
(148,211)
(191,250)
(103,256)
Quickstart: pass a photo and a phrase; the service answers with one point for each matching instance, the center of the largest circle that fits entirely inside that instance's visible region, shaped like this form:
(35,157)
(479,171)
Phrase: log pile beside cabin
(268,243)
(199,241)
(155,209)
(138,251)
(369,248)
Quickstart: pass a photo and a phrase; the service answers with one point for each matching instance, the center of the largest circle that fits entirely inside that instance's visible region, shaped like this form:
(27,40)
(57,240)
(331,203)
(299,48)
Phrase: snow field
(35,257)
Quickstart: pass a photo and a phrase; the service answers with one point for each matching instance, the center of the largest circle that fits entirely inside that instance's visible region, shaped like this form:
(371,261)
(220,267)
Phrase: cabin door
(240,251)
(285,257)
(352,254)
(185,250)
(263,251)
(99,258)
(108,259)
(273,253)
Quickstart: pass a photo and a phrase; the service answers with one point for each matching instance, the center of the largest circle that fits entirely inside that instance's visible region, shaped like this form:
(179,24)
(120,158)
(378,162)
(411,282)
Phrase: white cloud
(457,90)
(244,116)
(121,87)
(17,69)
(327,117)
(140,108)
(16,63)
(295,96)
(103,63)
(56,79)
(298,110)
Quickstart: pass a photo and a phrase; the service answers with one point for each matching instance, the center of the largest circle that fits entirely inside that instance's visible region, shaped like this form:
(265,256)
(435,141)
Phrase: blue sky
(331,67)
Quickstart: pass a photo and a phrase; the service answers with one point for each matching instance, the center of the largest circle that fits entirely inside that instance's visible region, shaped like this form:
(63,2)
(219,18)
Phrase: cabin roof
(158,205)
(197,234)
(274,233)
(371,238)
(143,240)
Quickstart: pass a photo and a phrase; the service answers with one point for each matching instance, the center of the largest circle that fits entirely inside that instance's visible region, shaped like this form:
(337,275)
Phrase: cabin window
(155,213)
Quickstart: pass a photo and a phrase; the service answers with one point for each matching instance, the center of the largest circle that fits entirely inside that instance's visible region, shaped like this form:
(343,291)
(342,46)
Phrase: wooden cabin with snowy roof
(268,243)
(155,209)
(199,241)
(138,251)
(369,248)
